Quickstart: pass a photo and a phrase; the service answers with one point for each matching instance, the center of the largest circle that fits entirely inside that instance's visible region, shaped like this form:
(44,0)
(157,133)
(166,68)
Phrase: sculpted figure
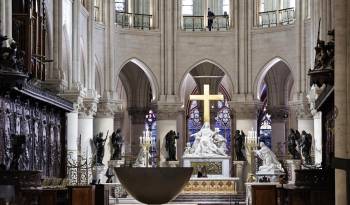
(292,145)
(270,161)
(170,140)
(99,143)
(117,143)
(306,141)
(239,145)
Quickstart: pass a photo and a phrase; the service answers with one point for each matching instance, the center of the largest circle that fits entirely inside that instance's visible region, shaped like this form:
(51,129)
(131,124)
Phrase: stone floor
(193,200)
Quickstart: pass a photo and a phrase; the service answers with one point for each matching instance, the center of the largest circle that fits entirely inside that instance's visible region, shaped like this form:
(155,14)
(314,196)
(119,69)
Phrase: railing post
(192,23)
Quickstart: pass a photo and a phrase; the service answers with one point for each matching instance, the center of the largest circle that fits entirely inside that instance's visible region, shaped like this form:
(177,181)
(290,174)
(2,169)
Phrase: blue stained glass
(223,122)
(265,130)
(151,125)
(194,120)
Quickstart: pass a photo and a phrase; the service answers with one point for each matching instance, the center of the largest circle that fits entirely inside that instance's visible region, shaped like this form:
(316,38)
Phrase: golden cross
(206,97)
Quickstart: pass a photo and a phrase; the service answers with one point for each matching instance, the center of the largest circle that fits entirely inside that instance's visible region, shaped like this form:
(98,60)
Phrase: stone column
(245,118)
(2,17)
(342,88)
(279,117)
(76,43)
(167,114)
(8,21)
(72,134)
(137,126)
(317,137)
(85,123)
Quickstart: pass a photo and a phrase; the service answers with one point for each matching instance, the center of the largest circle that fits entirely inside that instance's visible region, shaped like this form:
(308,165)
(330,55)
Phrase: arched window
(221,119)
(195,14)
(270,13)
(265,129)
(151,125)
(134,13)
(194,122)
(223,122)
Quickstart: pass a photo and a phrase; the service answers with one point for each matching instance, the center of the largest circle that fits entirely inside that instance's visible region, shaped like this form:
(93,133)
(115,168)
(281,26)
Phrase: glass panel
(151,125)
(120,5)
(223,122)
(187,7)
(226,7)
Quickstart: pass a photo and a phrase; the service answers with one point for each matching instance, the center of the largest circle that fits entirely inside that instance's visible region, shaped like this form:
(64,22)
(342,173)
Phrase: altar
(216,166)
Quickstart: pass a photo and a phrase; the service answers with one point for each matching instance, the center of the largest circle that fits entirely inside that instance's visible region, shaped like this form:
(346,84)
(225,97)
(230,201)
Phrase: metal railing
(133,20)
(196,23)
(221,22)
(276,17)
(193,23)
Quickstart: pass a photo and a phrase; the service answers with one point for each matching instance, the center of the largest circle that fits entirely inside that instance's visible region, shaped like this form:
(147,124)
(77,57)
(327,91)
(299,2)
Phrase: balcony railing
(133,20)
(276,18)
(196,23)
(221,22)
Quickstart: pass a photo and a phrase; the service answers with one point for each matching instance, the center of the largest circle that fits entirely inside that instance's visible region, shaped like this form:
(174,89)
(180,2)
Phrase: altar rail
(134,20)
(276,17)
(215,186)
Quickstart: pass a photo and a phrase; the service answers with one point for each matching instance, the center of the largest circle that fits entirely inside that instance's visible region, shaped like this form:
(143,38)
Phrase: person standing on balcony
(211,17)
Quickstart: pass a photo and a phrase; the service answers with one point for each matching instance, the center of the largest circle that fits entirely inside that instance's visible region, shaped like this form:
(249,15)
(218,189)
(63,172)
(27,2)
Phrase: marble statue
(99,143)
(117,143)
(170,141)
(270,162)
(207,143)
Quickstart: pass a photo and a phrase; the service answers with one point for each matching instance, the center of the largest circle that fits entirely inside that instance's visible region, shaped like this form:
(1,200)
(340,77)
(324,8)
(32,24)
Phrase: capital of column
(90,102)
(302,109)
(278,113)
(245,110)
(76,96)
(108,108)
(167,111)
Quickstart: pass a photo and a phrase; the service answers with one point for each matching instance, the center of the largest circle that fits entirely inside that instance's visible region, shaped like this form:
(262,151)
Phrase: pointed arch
(259,80)
(150,75)
(227,78)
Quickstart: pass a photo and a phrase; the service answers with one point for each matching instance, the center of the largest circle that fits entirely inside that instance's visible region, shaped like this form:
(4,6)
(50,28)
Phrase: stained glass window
(223,122)
(194,121)
(151,125)
(265,129)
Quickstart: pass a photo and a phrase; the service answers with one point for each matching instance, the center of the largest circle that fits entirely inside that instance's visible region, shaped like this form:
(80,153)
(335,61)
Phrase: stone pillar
(166,120)
(72,135)
(245,118)
(279,117)
(137,126)
(2,17)
(341,78)
(317,137)
(85,124)
(8,21)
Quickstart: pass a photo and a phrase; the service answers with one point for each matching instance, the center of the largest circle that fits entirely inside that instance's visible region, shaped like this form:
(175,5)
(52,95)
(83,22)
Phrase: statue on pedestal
(239,145)
(270,161)
(207,143)
(99,143)
(305,145)
(170,140)
(292,144)
(117,143)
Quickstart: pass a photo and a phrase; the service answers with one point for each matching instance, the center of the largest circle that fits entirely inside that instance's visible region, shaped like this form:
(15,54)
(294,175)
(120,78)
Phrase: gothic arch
(150,76)
(263,72)
(227,78)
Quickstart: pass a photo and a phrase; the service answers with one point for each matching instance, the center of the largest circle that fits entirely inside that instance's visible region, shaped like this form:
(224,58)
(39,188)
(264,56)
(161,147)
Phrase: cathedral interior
(174,101)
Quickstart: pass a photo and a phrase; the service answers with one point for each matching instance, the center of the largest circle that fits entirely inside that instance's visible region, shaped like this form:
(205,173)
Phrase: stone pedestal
(216,166)
(240,171)
(99,174)
(271,176)
(170,164)
(292,165)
